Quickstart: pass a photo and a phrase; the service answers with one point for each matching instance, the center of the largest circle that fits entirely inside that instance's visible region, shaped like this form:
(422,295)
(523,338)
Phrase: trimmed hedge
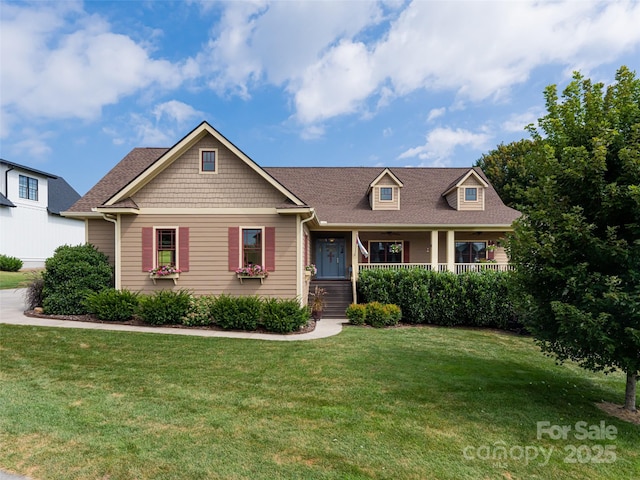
(375,314)
(477,299)
(10,264)
(164,307)
(112,305)
(283,316)
(237,313)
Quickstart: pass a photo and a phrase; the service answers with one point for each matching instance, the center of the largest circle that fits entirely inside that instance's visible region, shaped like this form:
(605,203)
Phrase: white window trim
(380,194)
(155,244)
(477,194)
(241,244)
(214,172)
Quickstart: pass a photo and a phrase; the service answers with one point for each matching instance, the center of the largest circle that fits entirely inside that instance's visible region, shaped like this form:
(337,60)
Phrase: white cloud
(442,142)
(517,122)
(176,111)
(331,63)
(32,145)
(59,62)
(435,113)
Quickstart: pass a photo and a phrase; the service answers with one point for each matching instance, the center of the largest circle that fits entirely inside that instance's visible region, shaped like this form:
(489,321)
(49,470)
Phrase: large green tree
(576,249)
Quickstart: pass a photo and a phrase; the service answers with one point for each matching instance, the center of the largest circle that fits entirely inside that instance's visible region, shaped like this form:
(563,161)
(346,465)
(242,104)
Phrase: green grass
(20,279)
(383,404)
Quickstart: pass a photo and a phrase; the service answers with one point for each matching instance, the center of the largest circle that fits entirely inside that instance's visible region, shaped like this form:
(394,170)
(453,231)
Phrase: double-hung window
(28,187)
(252,246)
(209,161)
(166,247)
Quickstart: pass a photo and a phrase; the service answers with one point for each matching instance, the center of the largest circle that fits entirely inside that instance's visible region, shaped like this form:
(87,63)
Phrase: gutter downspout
(303,300)
(6,181)
(116,223)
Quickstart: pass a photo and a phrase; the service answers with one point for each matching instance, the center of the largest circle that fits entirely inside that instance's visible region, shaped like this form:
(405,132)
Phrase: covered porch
(345,254)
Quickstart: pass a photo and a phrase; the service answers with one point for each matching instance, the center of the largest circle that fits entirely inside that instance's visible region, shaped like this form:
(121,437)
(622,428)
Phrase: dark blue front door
(330,258)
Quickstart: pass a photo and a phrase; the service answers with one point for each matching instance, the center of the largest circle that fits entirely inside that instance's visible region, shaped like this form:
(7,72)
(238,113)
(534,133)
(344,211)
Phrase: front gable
(384,191)
(180,178)
(467,192)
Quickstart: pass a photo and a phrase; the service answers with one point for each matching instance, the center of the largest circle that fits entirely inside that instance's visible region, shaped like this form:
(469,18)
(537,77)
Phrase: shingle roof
(136,162)
(339,196)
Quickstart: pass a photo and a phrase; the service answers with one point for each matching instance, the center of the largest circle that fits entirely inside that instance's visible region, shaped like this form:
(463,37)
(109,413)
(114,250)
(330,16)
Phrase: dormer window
(386,194)
(209,160)
(384,191)
(471,194)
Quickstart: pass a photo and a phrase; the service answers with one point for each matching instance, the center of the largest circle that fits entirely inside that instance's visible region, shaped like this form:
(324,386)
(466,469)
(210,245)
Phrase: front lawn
(16,279)
(403,403)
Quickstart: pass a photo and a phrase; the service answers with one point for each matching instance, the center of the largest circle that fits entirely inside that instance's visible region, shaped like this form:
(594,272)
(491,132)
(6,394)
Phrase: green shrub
(237,313)
(443,298)
(112,305)
(392,314)
(283,315)
(71,275)
(199,312)
(376,316)
(356,313)
(10,264)
(164,307)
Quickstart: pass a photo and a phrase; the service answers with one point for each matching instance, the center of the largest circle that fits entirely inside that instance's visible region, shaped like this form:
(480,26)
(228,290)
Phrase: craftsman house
(31,227)
(208,209)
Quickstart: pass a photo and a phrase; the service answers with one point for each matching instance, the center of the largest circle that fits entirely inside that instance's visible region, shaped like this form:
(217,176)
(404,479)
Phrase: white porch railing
(442,267)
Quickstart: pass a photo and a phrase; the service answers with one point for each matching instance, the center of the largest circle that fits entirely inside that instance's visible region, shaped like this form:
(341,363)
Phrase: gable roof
(189,140)
(463,178)
(384,172)
(338,196)
(28,169)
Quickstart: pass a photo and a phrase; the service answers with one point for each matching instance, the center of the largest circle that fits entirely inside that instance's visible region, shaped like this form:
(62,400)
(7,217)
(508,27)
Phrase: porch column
(451,251)
(434,250)
(354,254)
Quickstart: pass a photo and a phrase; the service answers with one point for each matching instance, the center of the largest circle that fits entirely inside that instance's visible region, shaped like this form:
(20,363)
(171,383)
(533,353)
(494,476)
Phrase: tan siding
(182,184)
(477,205)
(452,199)
(101,234)
(208,272)
(376,203)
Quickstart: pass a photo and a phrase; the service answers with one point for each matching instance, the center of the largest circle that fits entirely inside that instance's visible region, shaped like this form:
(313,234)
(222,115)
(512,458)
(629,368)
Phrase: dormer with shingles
(467,192)
(384,191)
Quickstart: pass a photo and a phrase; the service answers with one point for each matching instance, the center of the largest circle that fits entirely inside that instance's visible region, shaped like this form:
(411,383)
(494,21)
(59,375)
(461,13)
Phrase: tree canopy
(576,249)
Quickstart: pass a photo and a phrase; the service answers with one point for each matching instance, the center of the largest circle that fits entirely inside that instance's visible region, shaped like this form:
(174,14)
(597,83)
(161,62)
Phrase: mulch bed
(309,327)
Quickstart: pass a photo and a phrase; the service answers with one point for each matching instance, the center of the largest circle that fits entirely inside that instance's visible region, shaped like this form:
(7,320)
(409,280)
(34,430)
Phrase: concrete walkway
(12,308)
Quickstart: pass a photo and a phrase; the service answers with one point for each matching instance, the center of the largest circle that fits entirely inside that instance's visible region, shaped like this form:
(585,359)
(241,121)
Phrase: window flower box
(252,271)
(165,271)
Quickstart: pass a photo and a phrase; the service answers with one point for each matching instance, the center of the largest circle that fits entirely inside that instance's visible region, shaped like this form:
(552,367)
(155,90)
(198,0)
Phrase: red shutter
(405,249)
(270,248)
(234,248)
(147,249)
(491,253)
(183,246)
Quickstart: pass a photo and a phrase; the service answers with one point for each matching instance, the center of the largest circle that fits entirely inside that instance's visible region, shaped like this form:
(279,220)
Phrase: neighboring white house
(31,227)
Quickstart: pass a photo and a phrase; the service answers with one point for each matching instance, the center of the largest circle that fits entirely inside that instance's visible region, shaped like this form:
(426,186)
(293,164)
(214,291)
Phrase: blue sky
(331,83)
